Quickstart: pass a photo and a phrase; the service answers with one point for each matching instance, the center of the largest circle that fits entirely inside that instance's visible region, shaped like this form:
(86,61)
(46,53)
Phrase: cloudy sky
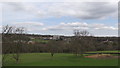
(61,18)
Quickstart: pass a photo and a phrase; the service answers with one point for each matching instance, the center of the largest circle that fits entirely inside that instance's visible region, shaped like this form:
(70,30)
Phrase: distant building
(108,41)
(56,37)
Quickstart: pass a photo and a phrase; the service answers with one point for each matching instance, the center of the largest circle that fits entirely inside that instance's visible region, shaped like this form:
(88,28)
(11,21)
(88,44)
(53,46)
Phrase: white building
(56,37)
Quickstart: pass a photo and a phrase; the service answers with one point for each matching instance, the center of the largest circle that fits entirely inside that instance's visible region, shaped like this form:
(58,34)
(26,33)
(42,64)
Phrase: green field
(104,52)
(60,59)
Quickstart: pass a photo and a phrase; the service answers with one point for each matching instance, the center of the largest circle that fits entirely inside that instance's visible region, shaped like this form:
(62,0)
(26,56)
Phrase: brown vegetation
(102,56)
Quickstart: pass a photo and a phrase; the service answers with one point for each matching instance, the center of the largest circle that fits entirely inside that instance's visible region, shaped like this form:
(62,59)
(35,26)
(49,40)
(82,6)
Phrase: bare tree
(81,42)
(53,47)
(6,30)
(13,39)
(19,40)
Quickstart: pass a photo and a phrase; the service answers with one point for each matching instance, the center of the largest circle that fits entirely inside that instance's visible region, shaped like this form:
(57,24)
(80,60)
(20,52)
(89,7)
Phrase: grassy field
(104,52)
(45,59)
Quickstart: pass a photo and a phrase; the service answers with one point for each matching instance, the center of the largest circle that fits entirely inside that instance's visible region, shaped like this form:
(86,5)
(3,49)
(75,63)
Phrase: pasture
(59,59)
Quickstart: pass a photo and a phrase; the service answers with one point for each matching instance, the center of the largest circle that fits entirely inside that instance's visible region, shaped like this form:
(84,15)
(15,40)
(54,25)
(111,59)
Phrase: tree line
(14,41)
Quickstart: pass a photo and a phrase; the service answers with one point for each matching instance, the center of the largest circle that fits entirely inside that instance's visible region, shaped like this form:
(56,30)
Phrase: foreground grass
(45,59)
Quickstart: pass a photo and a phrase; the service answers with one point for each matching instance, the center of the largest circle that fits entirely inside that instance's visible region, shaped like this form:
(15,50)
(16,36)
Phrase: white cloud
(74,24)
(19,7)
(84,10)
(68,26)
(81,26)
(102,27)
(30,26)
(59,0)
(0,13)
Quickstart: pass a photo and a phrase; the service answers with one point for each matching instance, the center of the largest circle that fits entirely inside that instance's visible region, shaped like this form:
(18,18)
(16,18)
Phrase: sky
(61,18)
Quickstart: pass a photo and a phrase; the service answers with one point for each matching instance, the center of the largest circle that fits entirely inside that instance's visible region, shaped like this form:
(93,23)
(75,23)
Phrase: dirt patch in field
(102,56)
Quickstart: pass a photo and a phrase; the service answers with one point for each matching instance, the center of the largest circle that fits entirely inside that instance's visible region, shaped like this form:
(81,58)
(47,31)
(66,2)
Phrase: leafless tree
(6,30)
(13,38)
(19,40)
(53,46)
(81,42)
